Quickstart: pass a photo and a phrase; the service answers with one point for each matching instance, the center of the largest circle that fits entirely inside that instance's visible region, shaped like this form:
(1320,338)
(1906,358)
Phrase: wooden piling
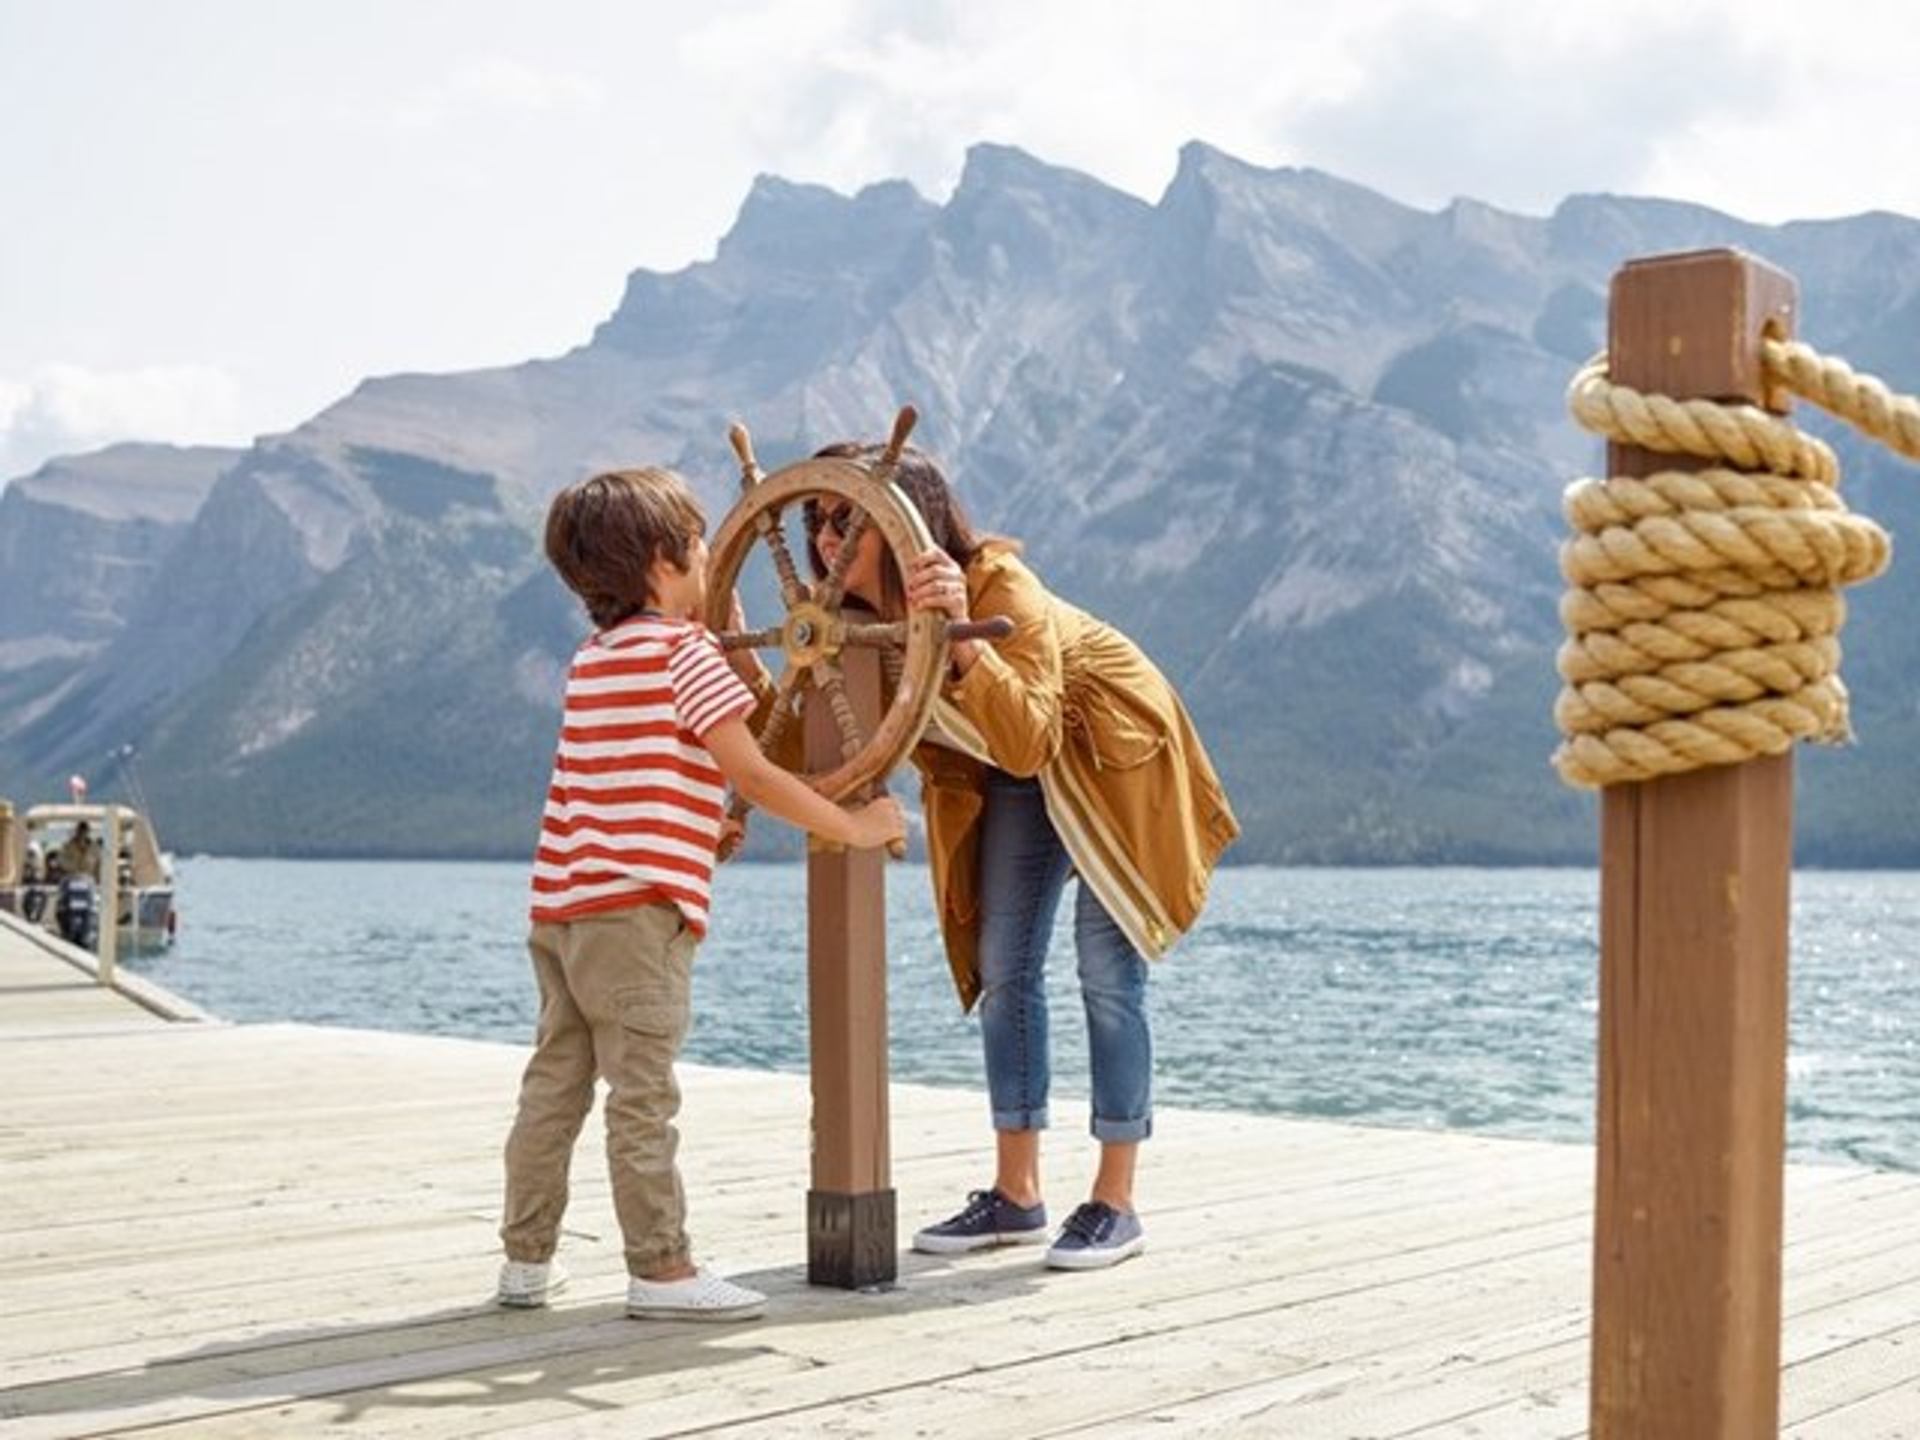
(108,895)
(850,1207)
(1695,873)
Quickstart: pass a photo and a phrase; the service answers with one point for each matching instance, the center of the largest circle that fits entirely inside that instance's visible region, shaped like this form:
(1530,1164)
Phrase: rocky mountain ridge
(1304,442)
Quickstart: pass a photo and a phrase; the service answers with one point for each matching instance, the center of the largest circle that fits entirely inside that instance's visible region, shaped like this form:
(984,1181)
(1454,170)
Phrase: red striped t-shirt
(634,809)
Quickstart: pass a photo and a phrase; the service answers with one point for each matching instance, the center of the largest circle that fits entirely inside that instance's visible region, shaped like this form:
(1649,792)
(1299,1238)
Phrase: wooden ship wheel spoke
(817,627)
(786,705)
(891,635)
(833,589)
(828,678)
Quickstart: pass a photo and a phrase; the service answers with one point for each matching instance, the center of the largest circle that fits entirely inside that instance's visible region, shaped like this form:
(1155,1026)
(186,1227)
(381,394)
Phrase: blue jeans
(1023,870)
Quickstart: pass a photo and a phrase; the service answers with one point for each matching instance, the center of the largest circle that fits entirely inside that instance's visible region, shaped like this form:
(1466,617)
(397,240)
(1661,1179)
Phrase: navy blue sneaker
(989,1219)
(1096,1235)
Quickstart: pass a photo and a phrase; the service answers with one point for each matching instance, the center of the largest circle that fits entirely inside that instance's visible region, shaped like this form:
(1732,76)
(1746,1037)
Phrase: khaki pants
(613,1004)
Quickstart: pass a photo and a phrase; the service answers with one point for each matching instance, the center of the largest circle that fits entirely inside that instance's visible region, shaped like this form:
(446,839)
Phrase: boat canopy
(148,868)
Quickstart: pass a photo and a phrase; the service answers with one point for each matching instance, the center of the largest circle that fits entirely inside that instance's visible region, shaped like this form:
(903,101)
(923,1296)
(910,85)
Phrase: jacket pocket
(1117,727)
(1119,710)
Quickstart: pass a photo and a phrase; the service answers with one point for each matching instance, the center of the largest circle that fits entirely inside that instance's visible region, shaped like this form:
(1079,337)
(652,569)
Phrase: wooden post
(850,1207)
(108,895)
(12,848)
(1693,976)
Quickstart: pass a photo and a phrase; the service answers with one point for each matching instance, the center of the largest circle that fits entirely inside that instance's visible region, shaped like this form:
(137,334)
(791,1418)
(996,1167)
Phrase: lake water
(1446,999)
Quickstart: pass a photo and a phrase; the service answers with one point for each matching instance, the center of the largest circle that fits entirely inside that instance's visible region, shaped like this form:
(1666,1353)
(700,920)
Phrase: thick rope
(1704,616)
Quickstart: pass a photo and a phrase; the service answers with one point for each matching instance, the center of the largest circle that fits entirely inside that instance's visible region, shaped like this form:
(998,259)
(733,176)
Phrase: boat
(47,878)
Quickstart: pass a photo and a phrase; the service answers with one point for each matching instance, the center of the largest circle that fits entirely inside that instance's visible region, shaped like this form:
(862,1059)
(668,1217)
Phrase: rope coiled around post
(1704,610)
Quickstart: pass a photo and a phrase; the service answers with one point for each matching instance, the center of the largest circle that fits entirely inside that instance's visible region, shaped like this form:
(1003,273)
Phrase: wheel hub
(811,634)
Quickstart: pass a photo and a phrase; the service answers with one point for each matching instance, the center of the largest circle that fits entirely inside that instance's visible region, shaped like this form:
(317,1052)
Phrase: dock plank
(235,1231)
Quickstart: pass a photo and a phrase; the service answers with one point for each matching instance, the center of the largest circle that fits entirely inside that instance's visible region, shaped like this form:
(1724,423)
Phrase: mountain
(1305,443)
(81,541)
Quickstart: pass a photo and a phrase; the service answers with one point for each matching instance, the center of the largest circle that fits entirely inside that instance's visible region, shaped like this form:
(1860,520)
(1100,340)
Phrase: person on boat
(34,880)
(1058,750)
(80,855)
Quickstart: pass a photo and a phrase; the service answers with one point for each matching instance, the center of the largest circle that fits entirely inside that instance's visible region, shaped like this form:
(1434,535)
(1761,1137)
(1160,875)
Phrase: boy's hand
(878,822)
(733,834)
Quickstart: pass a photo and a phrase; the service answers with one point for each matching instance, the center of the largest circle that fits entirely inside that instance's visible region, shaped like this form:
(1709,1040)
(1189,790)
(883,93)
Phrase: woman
(1059,749)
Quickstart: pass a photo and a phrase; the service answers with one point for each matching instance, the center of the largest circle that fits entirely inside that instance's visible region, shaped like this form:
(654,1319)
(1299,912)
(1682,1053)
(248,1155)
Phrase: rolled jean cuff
(1020,1119)
(1122,1132)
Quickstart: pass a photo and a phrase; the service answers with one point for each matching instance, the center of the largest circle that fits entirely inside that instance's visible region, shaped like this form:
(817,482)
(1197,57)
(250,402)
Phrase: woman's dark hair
(926,484)
(604,534)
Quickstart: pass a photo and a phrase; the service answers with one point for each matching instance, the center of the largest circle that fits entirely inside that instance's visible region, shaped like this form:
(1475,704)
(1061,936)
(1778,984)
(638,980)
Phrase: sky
(217,216)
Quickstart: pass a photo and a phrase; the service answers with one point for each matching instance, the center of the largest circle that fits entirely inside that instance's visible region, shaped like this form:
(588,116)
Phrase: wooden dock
(210,1230)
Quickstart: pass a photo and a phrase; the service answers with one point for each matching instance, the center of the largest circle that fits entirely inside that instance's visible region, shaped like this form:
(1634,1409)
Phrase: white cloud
(850,93)
(61,409)
(13,400)
(1520,105)
(494,83)
(396,192)
(1508,101)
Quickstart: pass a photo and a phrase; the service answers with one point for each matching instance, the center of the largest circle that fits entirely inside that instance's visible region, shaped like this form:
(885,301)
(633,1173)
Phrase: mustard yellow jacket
(1129,788)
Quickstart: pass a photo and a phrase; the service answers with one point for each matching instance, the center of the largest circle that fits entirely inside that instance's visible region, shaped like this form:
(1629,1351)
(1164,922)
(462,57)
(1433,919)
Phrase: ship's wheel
(817,628)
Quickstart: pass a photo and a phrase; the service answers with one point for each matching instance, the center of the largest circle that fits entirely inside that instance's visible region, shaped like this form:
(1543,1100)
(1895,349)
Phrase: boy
(655,726)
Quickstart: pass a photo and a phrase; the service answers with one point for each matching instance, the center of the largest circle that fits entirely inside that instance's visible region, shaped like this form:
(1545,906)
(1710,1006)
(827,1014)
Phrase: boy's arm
(760,782)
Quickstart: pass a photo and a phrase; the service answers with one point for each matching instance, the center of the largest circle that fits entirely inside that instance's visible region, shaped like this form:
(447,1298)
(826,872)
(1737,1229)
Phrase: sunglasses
(839,521)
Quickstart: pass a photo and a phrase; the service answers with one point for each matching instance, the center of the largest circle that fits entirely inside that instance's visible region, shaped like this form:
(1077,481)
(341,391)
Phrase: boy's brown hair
(604,534)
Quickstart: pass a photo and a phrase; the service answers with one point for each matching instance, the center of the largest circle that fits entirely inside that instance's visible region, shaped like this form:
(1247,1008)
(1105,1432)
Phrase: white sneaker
(526,1284)
(701,1296)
